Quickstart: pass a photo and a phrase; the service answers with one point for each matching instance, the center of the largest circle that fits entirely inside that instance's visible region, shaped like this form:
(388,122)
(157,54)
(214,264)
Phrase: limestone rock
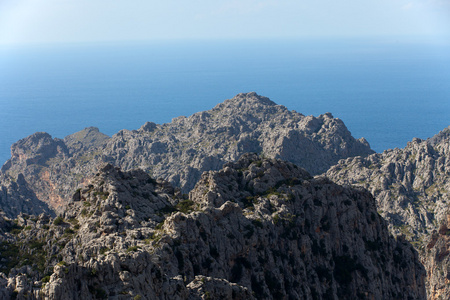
(411,187)
(181,150)
(256,229)
(437,261)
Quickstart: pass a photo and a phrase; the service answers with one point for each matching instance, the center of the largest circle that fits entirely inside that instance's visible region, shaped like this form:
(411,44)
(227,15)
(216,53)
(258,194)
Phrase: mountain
(181,150)
(437,261)
(256,229)
(411,187)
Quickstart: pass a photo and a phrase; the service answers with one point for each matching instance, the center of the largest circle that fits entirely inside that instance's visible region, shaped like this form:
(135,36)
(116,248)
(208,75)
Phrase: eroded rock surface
(256,229)
(181,150)
(411,187)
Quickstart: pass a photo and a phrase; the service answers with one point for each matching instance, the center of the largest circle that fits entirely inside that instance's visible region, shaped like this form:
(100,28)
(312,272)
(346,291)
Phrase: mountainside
(437,262)
(181,150)
(411,187)
(256,229)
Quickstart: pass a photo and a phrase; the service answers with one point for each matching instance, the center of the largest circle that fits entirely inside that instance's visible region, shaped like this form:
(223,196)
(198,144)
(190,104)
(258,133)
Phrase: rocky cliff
(256,229)
(437,261)
(411,187)
(181,150)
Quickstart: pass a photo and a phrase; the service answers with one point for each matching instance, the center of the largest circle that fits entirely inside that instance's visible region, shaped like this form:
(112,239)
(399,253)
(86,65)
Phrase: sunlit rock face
(258,228)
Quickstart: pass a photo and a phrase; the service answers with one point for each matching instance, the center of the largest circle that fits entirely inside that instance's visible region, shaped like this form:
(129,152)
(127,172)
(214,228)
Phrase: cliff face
(256,229)
(411,187)
(16,197)
(437,261)
(181,150)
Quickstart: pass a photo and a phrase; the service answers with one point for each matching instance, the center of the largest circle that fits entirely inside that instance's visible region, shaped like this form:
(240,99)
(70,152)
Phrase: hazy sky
(44,21)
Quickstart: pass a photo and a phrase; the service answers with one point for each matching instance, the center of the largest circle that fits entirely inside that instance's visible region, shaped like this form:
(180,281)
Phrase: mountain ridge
(411,187)
(199,155)
(181,150)
(256,229)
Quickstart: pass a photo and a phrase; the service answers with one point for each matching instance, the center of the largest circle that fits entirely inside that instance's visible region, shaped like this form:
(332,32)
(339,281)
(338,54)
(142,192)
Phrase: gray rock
(256,229)
(181,150)
(411,187)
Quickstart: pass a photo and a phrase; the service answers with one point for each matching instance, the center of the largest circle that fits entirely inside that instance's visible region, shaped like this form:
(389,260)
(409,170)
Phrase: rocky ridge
(256,229)
(437,262)
(181,150)
(411,187)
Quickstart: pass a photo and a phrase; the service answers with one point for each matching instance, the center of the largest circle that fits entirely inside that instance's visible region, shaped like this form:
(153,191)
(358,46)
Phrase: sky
(74,21)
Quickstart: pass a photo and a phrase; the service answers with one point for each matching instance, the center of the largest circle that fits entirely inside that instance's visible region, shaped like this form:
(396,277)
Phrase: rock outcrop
(411,187)
(256,229)
(181,150)
(437,262)
(16,197)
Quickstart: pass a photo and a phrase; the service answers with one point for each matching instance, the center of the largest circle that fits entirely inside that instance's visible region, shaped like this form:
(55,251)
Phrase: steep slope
(257,229)
(16,197)
(437,262)
(181,150)
(411,187)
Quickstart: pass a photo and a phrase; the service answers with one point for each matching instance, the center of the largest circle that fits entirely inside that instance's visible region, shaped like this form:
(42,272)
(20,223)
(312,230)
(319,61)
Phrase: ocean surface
(386,90)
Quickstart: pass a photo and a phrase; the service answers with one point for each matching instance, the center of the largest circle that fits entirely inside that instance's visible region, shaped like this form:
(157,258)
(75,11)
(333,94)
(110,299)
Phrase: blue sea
(387,90)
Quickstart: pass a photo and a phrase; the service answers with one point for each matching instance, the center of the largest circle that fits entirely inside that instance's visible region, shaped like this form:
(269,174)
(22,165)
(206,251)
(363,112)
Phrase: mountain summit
(181,150)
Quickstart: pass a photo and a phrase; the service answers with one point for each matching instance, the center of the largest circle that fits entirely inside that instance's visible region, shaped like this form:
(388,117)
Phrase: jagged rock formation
(16,197)
(181,150)
(257,229)
(437,262)
(411,187)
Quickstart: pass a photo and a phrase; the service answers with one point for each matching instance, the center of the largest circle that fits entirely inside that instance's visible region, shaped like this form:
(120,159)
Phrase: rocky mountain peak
(88,138)
(181,150)
(238,181)
(250,99)
(35,149)
(441,136)
(248,105)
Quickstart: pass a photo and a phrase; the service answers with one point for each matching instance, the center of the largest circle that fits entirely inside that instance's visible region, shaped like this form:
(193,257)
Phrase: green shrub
(73,221)
(133,248)
(69,231)
(165,210)
(276,219)
(159,225)
(103,250)
(58,221)
(185,206)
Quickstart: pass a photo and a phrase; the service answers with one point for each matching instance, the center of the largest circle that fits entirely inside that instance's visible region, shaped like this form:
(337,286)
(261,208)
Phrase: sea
(388,90)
